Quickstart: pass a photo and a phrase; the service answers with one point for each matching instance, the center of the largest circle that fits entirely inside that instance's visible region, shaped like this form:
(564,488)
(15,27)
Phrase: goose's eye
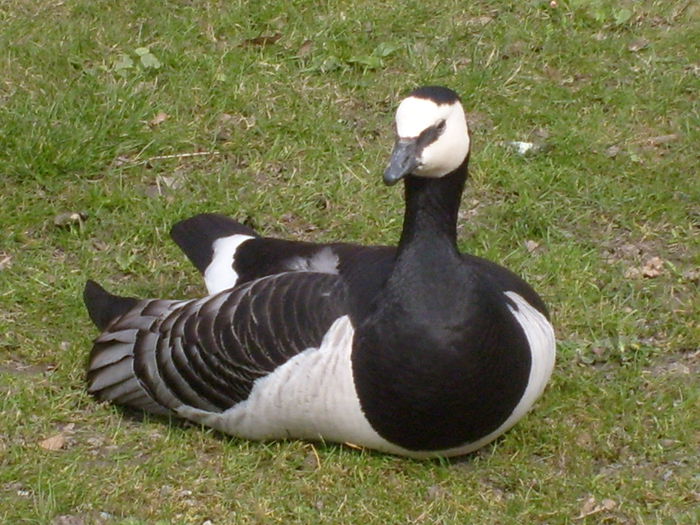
(440,126)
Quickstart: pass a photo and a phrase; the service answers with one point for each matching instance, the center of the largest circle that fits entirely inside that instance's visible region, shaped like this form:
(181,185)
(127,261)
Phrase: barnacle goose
(418,350)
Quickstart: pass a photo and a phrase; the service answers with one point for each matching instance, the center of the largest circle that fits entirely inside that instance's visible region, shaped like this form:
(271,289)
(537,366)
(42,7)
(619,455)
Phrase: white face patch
(415,115)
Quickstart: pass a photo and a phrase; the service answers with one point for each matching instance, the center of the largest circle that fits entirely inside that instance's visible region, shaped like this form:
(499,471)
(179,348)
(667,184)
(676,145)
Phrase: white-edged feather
(324,261)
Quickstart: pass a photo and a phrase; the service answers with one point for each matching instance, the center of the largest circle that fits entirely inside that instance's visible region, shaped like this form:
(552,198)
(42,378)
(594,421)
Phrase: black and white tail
(210,241)
(196,236)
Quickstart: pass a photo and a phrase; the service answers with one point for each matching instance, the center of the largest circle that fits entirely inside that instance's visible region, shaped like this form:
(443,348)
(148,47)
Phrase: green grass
(301,128)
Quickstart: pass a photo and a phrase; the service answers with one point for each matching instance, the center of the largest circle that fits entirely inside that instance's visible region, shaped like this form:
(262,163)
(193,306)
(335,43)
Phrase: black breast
(428,380)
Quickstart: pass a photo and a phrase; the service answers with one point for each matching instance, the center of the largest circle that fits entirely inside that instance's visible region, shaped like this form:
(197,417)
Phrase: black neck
(432,207)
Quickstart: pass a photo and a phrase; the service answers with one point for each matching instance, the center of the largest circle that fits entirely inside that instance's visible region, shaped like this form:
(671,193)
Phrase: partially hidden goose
(416,350)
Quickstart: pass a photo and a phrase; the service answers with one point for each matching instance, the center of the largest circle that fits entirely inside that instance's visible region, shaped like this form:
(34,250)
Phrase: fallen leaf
(158,119)
(100,245)
(587,507)
(653,267)
(68,218)
(590,507)
(531,245)
(692,275)
(122,160)
(261,41)
(305,49)
(521,147)
(613,151)
(663,139)
(480,20)
(148,59)
(622,16)
(56,442)
(632,273)
(637,44)
(529,148)
(173,182)
(5,260)
(608,504)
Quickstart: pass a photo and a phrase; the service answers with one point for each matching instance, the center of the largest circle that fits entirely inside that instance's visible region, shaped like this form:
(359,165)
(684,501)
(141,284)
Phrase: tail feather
(196,236)
(117,349)
(117,373)
(103,307)
(111,375)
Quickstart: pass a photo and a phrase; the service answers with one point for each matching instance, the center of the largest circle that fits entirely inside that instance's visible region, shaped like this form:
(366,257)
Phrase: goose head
(432,135)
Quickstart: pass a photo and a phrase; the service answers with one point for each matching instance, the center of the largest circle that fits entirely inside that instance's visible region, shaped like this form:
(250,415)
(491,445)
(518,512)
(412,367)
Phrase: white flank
(323,261)
(311,396)
(220,274)
(540,337)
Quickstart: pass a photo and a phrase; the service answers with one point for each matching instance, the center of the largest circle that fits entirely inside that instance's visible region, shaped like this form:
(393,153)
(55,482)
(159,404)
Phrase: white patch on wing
(450,149)
(220,274)
(324,261)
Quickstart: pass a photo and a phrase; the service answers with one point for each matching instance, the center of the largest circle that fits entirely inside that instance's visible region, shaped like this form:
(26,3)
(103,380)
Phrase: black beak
(403,161)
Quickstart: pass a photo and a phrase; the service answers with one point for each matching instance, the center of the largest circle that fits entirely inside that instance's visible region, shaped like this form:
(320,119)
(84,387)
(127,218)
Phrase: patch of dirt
(289,225)
(479,122)
(686,364)
(18,368)
(648,255)
(88,518)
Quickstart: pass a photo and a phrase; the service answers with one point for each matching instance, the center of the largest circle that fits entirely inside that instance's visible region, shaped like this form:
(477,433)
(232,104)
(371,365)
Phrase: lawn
(119,118)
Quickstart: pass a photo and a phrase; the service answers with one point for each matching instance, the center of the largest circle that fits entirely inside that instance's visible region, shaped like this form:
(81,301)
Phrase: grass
(296,128)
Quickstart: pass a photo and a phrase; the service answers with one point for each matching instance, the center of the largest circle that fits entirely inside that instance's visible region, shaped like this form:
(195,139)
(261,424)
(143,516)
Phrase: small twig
(515,73)
(679,11)
(318,459)
(173,156)
(490,58)
(182,155)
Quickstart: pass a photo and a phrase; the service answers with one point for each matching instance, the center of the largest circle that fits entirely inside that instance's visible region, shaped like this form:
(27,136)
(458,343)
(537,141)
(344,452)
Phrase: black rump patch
(438,94)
